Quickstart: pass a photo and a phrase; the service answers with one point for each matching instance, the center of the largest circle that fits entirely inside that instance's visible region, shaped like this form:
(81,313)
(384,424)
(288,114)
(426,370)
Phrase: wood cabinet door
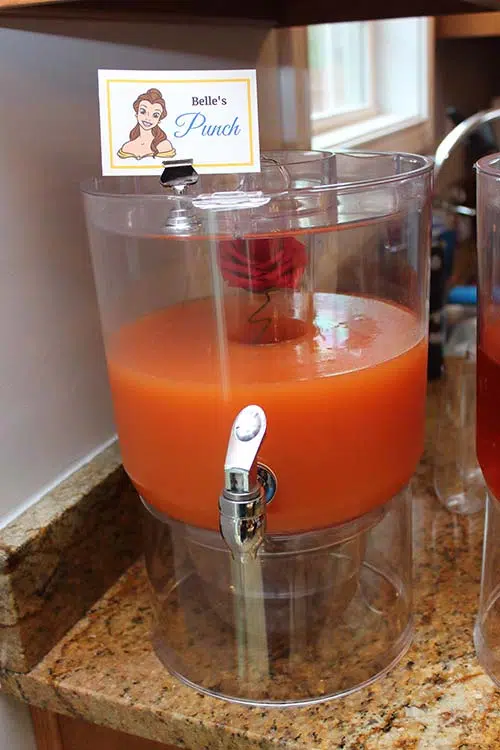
(56,732)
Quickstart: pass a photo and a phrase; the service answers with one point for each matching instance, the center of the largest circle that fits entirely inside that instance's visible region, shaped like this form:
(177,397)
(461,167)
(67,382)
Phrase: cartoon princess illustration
(147,138)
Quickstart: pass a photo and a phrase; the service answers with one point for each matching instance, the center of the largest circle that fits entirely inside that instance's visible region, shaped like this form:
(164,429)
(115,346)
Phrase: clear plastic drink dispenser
(266,345)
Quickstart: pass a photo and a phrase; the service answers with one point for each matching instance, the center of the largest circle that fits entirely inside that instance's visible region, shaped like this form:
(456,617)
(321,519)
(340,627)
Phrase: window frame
(321,124)
(374,131)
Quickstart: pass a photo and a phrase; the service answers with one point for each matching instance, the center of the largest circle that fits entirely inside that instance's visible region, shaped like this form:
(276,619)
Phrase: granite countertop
(105,671)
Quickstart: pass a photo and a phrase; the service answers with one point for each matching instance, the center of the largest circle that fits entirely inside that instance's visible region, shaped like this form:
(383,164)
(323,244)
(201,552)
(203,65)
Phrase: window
(368,79)
(358,84)
(340,81)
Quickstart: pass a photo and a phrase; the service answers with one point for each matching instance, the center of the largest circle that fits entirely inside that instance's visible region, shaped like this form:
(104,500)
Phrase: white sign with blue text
(150,117)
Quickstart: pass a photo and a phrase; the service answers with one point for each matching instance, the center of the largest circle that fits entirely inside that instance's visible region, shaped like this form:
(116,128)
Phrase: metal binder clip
(178,175)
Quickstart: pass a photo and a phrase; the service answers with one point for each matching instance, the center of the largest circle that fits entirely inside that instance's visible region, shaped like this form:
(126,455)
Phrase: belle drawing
(147,138)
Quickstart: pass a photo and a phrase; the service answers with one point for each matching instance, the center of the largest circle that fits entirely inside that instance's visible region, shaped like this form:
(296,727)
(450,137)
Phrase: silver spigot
(459,134)
(242,504)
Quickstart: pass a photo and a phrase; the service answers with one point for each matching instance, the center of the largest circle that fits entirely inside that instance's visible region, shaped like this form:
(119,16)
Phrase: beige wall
(466,76)
(53,393)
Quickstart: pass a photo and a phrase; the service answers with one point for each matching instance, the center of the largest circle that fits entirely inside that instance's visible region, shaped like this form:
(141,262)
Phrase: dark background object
(436,305)
(278,12)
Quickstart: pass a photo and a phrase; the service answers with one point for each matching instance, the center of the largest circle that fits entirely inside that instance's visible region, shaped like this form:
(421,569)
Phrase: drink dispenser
(487,629)
(266,345)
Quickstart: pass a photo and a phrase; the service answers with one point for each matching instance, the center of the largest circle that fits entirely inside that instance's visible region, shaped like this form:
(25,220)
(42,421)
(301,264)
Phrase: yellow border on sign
(190,80)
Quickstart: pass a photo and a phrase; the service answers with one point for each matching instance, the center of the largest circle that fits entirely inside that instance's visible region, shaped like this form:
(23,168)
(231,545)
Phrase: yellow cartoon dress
(165,151)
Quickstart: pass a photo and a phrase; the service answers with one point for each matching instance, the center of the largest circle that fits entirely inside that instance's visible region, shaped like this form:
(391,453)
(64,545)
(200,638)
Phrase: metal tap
(458,134)
(242,504)
(447,146)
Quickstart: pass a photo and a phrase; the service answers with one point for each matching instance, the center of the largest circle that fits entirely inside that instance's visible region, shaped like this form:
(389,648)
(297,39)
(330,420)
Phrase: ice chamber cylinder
(266,345)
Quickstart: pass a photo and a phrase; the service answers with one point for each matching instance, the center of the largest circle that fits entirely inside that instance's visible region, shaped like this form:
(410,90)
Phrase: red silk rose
(263,264)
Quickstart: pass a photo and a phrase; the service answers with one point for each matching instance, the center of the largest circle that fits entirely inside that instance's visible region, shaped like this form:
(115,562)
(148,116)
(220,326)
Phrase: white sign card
(150,116)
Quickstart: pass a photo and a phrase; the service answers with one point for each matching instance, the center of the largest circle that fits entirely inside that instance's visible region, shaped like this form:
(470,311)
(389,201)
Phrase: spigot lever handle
(240,467)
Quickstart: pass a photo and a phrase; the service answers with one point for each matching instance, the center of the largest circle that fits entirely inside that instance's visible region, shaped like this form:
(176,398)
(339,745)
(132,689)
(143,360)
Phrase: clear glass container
(303,290)
(337,605)
(487,630)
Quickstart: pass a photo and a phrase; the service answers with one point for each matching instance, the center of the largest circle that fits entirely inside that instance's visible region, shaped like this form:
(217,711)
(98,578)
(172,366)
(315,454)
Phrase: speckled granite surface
(105,671)
(61,555)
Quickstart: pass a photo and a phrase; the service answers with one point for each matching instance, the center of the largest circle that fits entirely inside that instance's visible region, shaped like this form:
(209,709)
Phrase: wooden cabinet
(468,25)
(289,13)
(56,732)
(18,3)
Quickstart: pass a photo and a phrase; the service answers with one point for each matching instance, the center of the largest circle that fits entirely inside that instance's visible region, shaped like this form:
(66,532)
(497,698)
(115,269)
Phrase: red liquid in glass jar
(344,401)
(488,405)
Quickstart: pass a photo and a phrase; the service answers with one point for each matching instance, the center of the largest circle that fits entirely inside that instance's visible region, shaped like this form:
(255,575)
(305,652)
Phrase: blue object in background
(463,295)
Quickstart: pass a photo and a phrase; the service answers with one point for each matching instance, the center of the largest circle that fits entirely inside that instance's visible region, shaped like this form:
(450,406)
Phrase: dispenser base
(315,617)
(392,657)
(486,658)
(487,625)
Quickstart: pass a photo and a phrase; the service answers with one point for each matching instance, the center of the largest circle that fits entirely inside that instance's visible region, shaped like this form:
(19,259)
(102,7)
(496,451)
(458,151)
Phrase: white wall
(15,725)
(54,403)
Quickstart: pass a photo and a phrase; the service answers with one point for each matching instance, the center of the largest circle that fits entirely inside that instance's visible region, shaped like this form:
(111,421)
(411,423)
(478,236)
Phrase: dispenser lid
(295,192)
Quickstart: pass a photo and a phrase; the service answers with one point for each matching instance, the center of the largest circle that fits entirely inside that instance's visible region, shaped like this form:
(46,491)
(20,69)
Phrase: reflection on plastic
(458,479)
